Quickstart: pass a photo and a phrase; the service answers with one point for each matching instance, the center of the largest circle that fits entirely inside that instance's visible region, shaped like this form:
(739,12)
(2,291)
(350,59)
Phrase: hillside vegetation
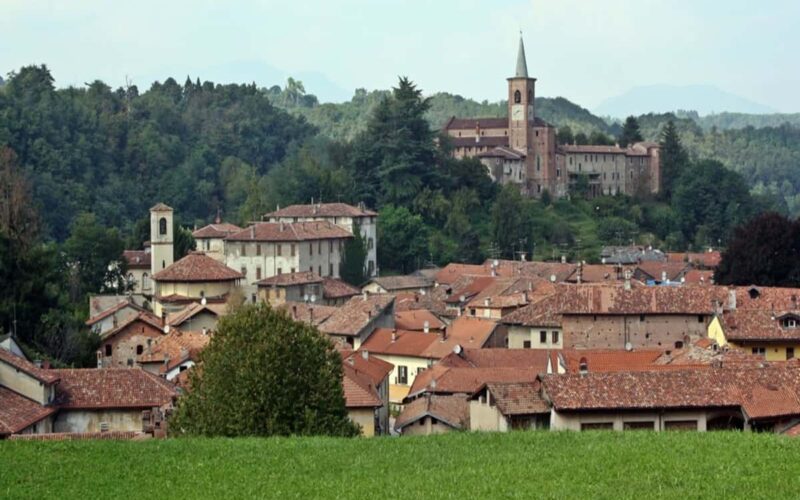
(518,465)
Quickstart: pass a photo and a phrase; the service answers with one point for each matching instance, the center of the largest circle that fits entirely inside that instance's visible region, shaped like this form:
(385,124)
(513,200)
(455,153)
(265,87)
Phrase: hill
(704,99)
(520,465)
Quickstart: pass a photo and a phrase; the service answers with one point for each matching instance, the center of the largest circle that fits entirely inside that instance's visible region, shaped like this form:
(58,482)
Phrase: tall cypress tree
(674,160)
(630,132)
(355,254)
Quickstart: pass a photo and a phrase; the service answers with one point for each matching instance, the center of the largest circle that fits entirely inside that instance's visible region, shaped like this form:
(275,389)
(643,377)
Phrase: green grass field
(519,465)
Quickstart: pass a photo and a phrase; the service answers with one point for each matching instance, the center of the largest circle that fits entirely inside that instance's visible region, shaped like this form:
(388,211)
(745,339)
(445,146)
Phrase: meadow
(514,465)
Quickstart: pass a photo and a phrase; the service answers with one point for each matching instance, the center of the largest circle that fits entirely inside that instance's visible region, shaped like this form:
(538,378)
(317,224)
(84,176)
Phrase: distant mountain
(705,99)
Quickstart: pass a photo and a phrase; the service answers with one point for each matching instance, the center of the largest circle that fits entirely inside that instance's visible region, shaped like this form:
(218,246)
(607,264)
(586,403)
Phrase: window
(109,350)
(517,97)
(145,282)
(244,249)
(139,349)
(280,271)
(555,337)
(597,426)
(319,247)
(638,426)
(422,421)
(258,249)
(759,351)
(319,270)
(330,268)
(244,271)
(370,244)
(420,370)
(292,251)
(681,425)
(790,323)
(207,244)
(162,226)
(291,270)
(402,375)
(310,248)
(641,317)
(330,246)
(543,337)
(258,273)
(789,353)
(700,318)
(280,249)
(526,344)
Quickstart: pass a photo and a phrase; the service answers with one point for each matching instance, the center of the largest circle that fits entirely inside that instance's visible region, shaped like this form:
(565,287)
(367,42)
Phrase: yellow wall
(365,417)
(399,391)
(772,352)
(517,335)
(24,384)
(191,290)
(715,332)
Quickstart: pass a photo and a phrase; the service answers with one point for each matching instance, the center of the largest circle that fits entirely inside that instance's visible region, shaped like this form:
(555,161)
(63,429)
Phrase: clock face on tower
(517,112)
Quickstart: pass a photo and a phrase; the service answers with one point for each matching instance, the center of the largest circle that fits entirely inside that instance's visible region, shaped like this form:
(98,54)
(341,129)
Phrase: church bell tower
(161,243)
(521,94)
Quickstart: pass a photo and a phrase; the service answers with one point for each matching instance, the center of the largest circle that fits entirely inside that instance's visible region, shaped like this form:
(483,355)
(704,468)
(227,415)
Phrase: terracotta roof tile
(18,412)
(375,369)
(290,231)
(446,380)
(416,320)
(312,314)
(399,342)
(451,410)
(175,347)
(193,309)
(25,366)
(452,272)
(111,310)
(466,332)
(322,210)
(291,279)
(143,317)
(673,271)
(589,149)
(333,288)
(136,259)
(197,267)
(471,123)
(397,283)
(92,388)
(220,230)
(536,359)
(708,260)
(518,398)
(760,325)
(356,314)
(359,392)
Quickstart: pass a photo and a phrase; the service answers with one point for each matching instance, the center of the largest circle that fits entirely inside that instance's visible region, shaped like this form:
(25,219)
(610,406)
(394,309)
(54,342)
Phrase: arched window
(145,282)
(162,226)
(517,97)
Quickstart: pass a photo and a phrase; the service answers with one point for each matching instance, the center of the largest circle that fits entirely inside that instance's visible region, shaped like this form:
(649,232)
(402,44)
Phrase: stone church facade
(522,149)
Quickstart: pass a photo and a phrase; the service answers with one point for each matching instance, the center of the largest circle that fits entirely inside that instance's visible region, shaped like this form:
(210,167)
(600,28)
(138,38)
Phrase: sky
(584,50)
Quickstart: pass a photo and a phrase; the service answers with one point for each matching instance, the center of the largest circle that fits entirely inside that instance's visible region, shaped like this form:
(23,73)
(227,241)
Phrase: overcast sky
(585,50)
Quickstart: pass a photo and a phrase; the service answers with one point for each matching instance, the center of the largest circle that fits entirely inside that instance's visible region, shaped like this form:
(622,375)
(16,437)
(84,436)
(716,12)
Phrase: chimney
(253,232)
(732,299)
(99,358)
(205,331)
(426,327)
(394,335)
(580,272)
(583,367)
(627,285)
(311,315)
(365,295)
(294,311)
(365,355)
(663,276)
(281,226)
(563,259)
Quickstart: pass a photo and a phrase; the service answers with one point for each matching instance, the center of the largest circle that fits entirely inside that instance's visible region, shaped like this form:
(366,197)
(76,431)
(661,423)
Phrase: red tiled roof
(518,398)
(446,380)
(312,314)
(397,283)
(111,310)
(177,347)
(466,332)
(193,309)
(609,360)
(597,273)
(502,152)
(136,259)
(81,436)
(358,389)
(536,359)
(452,272)
(369,366)
(543,312)
(322,210)
(705,259)
(333,288)
(590,149)
(485,141)
(767,392)
(467,287)
(405,343)
(290,231)
(291,279)
(95,388)
(416,319)
(356,314)
(758,324)
(220,230)
(657,270)
(451,410)
(471,123)
(143,317)
(18,412)
(197,267)
(696,277)
(25,366)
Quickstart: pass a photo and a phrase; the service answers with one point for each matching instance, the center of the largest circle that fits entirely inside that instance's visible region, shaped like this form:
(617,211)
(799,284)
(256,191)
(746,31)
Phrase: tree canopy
(263,374)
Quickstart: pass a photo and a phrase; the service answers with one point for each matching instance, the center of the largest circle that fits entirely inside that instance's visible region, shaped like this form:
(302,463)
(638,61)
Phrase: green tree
(94,253)
(183,241)
(353,261)
(510,232)
(765,251)
(630,132)
(674,159)
(564,135)
(263,374)
(402,237)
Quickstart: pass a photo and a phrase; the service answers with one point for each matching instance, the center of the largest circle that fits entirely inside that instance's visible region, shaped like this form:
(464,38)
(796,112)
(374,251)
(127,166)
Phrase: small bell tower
(161,244)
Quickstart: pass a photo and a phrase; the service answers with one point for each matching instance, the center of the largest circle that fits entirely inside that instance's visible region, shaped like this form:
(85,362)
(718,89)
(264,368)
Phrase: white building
(342,215)
(269,249)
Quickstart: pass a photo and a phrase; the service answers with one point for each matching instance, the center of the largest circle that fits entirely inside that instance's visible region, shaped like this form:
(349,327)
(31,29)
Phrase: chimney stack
(365,355)
(426,327)
(732,299)
(394,335)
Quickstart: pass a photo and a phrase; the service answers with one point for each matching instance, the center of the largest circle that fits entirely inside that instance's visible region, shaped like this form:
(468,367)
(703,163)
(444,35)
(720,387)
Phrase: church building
(522,149)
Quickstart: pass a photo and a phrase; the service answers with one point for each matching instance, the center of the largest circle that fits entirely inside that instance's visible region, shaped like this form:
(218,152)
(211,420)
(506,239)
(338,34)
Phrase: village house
(343,215)
(120,346)
(35,400)
(305,312)
(505,406)
(210,239)
(419,320)
(269,249)
(138,265)
(304,286)
(111,317)
(433,414)
(194,278)
(353,322)
(366,389)
(197,316)
(762,398)
(173,354)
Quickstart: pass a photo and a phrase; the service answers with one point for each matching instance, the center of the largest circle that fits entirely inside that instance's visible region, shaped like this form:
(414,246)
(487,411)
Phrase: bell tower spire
(522,64)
